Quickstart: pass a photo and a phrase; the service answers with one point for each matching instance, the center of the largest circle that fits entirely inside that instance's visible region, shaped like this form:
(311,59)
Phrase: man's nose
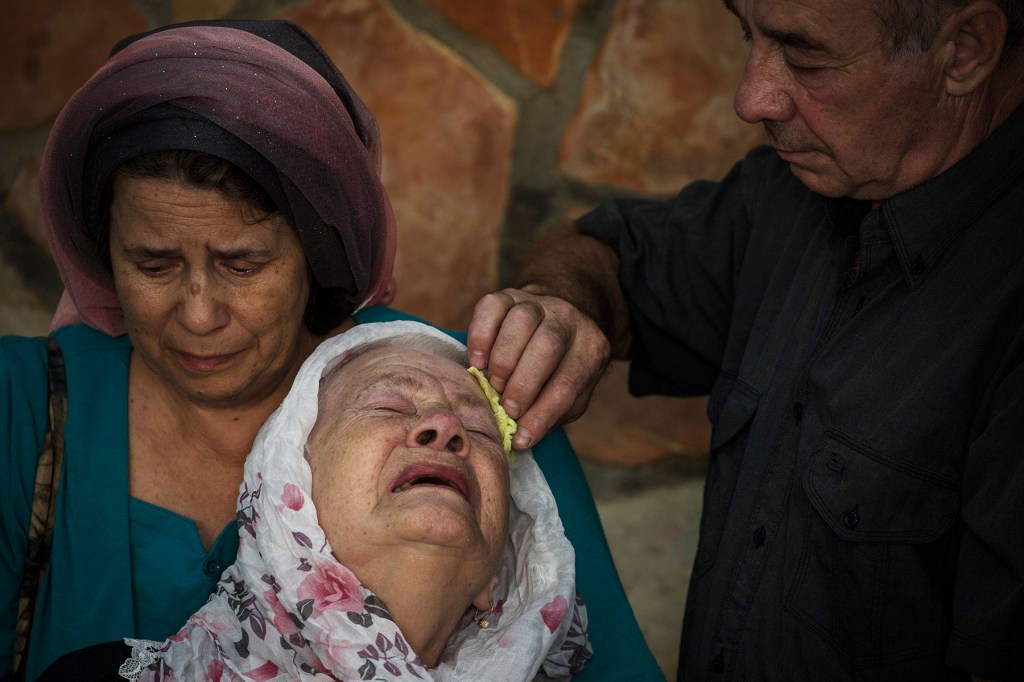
(201,306)
(762,94)
(440,429)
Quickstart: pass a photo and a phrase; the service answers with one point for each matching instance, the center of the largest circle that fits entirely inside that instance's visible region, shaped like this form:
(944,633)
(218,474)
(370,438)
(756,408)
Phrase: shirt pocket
(877,543)
(731,408)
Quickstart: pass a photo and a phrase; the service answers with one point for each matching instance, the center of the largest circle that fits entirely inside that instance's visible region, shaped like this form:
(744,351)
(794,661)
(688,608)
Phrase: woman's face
(406,453)
(213,301)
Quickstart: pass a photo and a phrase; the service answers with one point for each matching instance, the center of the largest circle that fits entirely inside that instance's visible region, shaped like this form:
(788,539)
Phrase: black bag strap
(44,504)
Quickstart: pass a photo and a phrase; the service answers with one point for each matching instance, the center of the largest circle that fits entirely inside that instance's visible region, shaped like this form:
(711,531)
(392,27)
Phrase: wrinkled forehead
(410,370)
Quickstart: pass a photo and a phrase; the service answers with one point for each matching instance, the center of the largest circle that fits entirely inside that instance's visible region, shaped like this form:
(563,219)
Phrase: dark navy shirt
(864,507)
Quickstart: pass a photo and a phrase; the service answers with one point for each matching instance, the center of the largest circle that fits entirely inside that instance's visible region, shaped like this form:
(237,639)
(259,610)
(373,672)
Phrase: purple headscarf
(260,94)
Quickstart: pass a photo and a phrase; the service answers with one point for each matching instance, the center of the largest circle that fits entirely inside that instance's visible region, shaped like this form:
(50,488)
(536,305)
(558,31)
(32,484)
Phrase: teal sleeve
(620,651)
(23,417)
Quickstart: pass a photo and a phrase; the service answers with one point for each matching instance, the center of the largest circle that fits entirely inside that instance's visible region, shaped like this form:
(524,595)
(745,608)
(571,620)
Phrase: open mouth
(431,475)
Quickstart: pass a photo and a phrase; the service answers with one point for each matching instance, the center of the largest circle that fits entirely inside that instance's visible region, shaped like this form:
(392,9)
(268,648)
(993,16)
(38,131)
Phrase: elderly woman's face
(406,452)
(213,301)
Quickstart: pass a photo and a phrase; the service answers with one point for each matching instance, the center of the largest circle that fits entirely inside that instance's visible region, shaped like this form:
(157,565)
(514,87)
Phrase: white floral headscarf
(287,610)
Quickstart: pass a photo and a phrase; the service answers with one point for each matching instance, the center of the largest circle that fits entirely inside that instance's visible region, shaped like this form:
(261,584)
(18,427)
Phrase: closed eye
(242,268)
(485,432)
(394,407)
(154,269)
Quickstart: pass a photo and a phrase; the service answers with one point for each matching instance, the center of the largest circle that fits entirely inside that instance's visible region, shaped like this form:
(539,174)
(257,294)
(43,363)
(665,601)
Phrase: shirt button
(850,518)
(212,568)
(917,267)
(759,536)
(798,411)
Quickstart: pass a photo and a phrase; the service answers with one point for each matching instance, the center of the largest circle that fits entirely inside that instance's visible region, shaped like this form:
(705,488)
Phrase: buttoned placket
(857,285)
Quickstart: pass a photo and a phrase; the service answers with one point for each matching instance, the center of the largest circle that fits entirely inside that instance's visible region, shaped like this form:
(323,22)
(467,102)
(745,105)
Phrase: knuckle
(525,313)
(563,391)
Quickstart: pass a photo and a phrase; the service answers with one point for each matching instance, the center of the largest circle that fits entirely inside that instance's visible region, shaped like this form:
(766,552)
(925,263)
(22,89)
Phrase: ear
(484,601)
(972,38)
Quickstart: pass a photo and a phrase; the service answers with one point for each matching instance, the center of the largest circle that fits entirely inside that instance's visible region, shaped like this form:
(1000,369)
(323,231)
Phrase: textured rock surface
(50,48)
(187,10)
(447,138)
(656,110)
(23,202)
(529,35)
(620,429)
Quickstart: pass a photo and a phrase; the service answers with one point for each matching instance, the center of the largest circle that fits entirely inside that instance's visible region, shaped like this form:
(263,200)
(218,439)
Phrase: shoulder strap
(44,504)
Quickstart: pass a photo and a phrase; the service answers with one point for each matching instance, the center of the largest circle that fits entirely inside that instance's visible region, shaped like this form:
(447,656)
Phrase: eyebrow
(399,381)
(143,252)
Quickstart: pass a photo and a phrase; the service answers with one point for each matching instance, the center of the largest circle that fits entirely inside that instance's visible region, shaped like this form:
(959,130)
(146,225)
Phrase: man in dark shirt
(853,301)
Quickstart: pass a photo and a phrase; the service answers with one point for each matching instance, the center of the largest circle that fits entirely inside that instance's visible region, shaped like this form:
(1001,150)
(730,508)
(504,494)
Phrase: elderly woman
(379,539)
(213,204)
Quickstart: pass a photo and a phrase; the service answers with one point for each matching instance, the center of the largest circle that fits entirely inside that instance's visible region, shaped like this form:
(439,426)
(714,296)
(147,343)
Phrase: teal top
(104,539)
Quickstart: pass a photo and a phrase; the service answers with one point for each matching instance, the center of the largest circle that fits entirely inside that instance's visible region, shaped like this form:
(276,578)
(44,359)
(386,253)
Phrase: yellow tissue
(506,424)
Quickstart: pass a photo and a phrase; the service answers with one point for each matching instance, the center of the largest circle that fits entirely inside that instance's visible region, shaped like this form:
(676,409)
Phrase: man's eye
(797,68)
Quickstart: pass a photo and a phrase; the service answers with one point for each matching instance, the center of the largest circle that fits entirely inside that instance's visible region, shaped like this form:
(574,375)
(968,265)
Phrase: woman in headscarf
(387,534)
(213,204)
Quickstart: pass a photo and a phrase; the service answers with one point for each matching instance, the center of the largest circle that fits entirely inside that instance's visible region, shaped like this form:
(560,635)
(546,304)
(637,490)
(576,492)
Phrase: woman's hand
(542,353)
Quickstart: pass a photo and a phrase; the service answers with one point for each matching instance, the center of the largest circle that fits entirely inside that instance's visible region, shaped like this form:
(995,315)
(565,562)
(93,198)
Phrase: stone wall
(498,117)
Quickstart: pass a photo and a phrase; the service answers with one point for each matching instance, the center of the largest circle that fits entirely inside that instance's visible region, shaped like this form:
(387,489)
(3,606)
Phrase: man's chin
(818,182)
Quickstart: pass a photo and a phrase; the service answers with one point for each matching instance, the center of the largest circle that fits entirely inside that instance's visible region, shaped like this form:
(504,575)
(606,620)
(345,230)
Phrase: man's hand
(542,353)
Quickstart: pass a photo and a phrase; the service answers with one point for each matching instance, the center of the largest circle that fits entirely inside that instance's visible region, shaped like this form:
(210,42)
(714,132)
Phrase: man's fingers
(536,367)
(561,400)
(488,314)
(514,338)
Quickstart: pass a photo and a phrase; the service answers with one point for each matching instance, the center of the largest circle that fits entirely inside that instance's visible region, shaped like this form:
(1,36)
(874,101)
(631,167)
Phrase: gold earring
(480,618)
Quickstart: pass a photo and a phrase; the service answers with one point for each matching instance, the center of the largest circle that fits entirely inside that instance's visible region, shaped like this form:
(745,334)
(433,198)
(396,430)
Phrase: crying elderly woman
(386,534)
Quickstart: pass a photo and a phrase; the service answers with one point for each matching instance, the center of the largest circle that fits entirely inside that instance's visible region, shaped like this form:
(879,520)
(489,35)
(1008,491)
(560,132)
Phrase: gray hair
(912,25)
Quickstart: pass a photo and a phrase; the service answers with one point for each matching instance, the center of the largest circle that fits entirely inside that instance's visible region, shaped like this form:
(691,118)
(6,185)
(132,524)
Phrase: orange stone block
(529,34)
(189,10)
(57,46)
(447,143)
(23,201)
(656,107)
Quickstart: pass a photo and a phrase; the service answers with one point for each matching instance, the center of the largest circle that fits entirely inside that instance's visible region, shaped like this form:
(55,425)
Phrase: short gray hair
(912,25)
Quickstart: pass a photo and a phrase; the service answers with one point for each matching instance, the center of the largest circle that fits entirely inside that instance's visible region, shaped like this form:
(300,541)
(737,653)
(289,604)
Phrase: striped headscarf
(260,94)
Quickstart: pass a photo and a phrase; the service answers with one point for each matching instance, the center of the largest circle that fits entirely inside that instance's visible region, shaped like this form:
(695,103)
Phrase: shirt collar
(924,220)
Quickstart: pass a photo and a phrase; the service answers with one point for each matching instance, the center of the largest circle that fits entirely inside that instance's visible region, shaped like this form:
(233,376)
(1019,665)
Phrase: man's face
(850,119)
(406,455)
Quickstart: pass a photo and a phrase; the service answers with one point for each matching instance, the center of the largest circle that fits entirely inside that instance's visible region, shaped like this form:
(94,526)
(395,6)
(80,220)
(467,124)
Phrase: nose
(201,308)
(762,95)
(440,429)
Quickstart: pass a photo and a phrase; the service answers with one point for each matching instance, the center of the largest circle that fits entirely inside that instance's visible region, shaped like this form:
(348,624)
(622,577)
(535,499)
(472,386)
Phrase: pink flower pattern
(292,497)
(553,612)
(282,621)
(331,586)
